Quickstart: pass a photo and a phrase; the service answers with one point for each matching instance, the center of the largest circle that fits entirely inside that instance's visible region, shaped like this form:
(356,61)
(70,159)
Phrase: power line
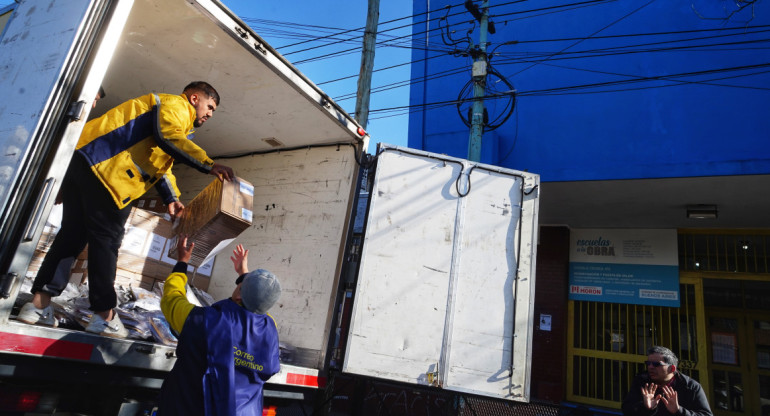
(412,36)
(545,57)
(571,89)
(671,77)
(456,71)
(631,35)
(616,51)
(671,32)
(598,31)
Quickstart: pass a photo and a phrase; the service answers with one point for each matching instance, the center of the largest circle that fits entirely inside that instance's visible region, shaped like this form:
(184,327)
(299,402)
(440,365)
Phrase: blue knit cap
(260,289)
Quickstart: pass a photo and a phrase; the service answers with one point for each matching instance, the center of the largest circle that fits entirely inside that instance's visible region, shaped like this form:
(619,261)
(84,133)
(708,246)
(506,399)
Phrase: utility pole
(479,80)
(367,63)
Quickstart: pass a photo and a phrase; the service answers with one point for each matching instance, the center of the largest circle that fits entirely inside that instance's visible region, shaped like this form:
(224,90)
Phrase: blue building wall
(601,104)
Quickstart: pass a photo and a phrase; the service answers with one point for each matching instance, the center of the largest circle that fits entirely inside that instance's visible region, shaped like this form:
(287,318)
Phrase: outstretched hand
(670,399)
(183,251)
(240,259)
(648,395)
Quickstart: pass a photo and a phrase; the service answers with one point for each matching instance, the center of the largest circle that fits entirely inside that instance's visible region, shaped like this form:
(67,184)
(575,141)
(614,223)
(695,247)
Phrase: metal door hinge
(75,111)
(5,284)
(432,376)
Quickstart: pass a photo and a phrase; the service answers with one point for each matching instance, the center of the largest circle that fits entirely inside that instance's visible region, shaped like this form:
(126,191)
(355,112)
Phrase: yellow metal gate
(609,342)
(720,332)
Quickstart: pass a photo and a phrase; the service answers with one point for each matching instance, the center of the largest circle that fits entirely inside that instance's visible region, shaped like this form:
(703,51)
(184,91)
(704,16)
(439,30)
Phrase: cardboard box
(142,257)
(215,217)
(143,260)
(151,203)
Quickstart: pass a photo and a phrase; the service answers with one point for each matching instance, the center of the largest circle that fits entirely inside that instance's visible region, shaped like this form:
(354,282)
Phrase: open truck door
(446,282)
(44,119)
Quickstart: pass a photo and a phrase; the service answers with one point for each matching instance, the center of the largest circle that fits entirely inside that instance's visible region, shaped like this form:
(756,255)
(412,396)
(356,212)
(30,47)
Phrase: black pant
(90,216)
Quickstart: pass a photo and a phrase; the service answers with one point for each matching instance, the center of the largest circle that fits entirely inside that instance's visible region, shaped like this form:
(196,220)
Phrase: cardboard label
(247,188)
(157,242)
(133,241)
(246,214)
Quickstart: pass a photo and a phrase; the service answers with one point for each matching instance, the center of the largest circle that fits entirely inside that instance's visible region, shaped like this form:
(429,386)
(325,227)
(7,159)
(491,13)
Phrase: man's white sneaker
(113,328)
(29,314)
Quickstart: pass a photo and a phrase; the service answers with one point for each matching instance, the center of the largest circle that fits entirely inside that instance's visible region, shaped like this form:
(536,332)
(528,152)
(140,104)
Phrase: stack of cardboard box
(212,220)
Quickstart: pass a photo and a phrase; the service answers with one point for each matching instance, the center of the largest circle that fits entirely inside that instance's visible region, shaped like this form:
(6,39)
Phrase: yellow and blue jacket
(132,147)
(225,355)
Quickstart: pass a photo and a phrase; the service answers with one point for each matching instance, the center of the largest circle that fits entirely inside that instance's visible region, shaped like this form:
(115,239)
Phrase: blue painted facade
(605,89)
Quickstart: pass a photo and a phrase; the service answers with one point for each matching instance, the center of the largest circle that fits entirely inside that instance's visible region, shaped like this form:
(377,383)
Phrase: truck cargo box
(442,293)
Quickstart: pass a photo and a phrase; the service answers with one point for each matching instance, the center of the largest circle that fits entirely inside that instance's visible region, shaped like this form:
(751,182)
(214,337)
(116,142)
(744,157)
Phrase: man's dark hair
(202,87)
(668,356)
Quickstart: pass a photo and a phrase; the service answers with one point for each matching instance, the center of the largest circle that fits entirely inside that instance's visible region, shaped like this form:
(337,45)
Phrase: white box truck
(441,286)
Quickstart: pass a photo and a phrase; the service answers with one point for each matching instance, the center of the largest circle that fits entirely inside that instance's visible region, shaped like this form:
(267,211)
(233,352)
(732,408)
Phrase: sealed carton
(215,217)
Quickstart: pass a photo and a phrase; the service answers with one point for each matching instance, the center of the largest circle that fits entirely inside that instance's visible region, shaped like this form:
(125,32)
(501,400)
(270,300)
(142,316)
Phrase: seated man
(226,351)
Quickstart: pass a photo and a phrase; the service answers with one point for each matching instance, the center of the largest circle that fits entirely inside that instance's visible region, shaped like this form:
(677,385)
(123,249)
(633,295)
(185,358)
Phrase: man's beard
(197,123)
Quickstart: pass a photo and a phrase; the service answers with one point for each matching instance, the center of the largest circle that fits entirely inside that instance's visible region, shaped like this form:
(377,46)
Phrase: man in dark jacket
(663,390)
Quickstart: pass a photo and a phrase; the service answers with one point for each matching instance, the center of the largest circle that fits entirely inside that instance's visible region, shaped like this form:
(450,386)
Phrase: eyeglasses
(654,363)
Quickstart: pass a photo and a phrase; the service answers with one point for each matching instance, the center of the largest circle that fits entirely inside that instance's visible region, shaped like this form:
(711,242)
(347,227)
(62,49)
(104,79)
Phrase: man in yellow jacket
(119,157)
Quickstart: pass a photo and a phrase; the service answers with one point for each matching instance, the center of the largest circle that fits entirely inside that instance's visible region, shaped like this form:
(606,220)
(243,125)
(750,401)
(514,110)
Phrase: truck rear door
(54,56)
(446,283)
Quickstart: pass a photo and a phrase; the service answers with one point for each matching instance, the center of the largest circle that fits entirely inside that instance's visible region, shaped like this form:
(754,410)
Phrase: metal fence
(608,342)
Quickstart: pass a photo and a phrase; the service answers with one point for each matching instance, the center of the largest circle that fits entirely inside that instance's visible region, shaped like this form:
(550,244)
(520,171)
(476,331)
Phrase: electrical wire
(410,37)
(745,30)
(569,89)
(622,51)
(544,57)
(598,31)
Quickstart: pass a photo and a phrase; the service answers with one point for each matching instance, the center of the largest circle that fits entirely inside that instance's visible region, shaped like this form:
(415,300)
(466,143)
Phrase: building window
(732,252)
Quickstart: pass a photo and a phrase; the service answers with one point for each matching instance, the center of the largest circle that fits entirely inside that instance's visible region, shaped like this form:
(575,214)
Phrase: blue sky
(284,24)
(283,27)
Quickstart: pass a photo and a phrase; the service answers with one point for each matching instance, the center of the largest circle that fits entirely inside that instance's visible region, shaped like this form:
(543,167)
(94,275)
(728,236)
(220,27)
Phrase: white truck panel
(400,304)
(24,103)
(440,293)
(487,291)
(52,30)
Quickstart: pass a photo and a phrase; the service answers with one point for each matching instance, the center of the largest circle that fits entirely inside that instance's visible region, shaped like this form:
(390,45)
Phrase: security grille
(610,342)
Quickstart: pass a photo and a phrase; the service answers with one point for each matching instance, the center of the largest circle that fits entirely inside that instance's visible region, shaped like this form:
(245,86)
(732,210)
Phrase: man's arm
(174,303)
(173,129)
(693,401)
(168,190)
